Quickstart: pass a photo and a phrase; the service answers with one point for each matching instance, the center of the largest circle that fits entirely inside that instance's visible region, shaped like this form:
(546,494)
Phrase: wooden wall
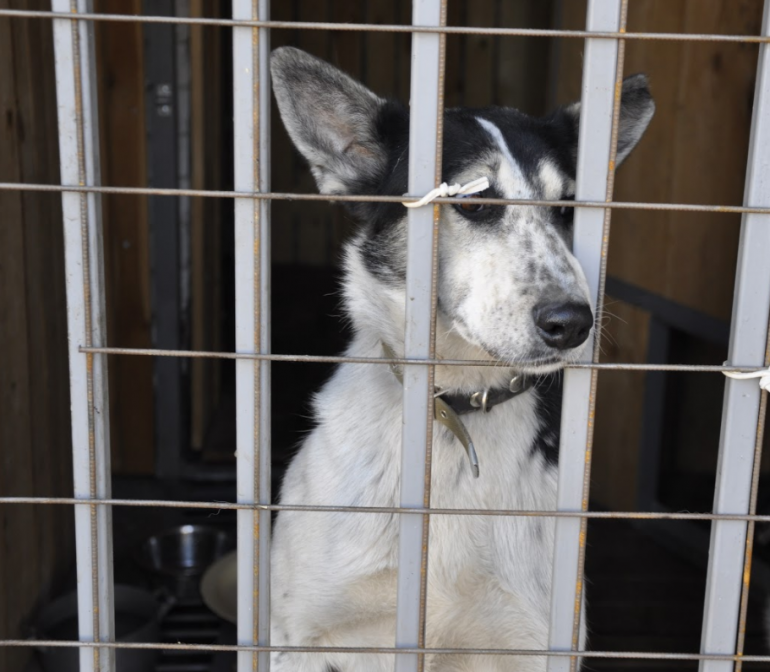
(695,151)
(120,77)
(36,542)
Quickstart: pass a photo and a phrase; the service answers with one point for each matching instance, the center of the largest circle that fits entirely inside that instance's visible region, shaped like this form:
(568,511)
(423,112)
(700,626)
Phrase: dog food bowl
(137,615)
(179,556)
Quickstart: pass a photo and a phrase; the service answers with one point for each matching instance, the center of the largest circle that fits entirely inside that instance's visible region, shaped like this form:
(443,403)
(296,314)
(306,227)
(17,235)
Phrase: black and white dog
(509,290)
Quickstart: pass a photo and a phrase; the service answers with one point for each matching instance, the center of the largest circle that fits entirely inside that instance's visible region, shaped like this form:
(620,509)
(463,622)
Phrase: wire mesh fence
(734,514)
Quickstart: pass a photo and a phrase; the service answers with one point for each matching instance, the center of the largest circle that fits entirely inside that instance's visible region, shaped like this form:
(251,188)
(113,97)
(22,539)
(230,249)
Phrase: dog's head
(509,287)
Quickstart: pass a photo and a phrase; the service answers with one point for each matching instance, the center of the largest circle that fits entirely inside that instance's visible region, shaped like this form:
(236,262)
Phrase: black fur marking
(530,140)
(549,393)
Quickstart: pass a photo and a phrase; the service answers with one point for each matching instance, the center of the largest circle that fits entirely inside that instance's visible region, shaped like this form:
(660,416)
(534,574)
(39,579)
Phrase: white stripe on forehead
(516,184)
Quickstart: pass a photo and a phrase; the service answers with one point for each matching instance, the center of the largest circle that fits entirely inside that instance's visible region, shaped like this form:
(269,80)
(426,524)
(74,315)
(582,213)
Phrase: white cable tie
(762,374)
(444,190)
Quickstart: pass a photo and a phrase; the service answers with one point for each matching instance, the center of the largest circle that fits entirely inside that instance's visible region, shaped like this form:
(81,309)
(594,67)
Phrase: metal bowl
(178,556)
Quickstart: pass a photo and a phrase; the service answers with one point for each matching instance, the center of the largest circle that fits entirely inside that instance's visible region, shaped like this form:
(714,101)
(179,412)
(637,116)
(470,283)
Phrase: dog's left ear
(636,111)
(331,118)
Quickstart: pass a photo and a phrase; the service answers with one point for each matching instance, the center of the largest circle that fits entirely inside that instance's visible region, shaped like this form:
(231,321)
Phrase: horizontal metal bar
(334,359)
(235,506)
(389,28)
(167,646)
(279,196)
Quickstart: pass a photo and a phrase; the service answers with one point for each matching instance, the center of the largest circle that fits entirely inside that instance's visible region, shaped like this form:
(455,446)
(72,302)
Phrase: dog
(510,291)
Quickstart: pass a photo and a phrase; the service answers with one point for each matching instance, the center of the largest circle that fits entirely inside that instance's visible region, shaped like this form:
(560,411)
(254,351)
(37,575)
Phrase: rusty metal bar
(597,150)
(425,137)
(275,196)
(334,359)
(251,104)
(167,646)
(234,506)
(742,414)
(394,28)
(84,276)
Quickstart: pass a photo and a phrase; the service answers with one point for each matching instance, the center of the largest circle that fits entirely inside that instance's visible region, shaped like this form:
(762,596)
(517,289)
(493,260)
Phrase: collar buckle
(480,399)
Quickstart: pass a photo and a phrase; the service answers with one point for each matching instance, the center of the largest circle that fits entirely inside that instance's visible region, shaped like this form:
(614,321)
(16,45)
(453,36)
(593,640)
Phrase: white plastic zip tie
(445,189)
(762,374)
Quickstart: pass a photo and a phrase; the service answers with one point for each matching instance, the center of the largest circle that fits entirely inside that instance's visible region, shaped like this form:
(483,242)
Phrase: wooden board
(120,73)
(36,543)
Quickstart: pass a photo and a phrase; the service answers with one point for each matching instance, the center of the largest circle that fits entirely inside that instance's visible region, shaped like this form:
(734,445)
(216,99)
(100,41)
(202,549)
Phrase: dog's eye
(470,208)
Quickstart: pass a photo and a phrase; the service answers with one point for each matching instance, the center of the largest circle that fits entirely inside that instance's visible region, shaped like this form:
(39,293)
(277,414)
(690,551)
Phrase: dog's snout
(563,325)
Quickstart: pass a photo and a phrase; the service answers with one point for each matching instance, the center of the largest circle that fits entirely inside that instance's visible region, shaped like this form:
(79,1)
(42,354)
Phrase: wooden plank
(126,237)
(455,57)
(616,442)
(19,547)
(379,67)
(35,542)
(45,299)
(522,63)
(478,62)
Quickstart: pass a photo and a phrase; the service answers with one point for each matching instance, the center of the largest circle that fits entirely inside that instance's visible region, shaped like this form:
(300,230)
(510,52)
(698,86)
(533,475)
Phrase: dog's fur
(334,574)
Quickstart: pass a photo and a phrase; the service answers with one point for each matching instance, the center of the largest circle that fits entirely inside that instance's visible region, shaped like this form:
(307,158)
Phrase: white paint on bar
(251,99)
(599,71)
(422,178)
(84,277)
(751,311)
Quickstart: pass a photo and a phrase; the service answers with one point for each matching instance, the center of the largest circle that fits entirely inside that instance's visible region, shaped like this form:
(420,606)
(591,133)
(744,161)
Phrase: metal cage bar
(443,651)
(251,103)
(595,169)
(426,102)
(741,419)
(235,506)
(84,277)
(728,575)
(331,359)
(376,198)
(397,28)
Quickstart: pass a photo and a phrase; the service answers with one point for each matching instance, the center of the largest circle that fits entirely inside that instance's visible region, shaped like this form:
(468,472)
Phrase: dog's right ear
(331,118)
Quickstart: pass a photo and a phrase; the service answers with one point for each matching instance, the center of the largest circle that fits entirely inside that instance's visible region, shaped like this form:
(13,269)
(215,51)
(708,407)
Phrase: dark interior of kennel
(669,290)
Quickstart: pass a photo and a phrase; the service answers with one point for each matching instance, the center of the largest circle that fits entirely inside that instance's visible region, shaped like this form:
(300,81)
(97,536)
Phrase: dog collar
(447,408)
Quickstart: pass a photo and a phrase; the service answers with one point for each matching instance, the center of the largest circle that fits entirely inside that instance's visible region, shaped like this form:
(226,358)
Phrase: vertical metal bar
(741,410)
(426,103)
(79,159)
(595,171)
(251,105)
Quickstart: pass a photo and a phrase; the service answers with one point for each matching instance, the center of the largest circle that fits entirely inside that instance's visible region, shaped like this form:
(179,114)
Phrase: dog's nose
(563,325)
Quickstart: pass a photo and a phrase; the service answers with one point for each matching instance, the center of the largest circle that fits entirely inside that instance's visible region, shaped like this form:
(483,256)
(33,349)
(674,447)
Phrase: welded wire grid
(745,406)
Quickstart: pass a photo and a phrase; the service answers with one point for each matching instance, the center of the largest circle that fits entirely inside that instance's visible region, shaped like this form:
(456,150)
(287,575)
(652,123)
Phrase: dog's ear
(636,110)
(331,118)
